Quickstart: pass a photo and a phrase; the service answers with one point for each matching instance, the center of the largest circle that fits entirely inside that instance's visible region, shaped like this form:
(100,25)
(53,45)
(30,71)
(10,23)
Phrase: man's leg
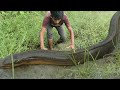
(50,37)
(61,32)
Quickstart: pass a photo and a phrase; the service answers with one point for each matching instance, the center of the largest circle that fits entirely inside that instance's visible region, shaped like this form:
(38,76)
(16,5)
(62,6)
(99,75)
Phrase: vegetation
(19,31)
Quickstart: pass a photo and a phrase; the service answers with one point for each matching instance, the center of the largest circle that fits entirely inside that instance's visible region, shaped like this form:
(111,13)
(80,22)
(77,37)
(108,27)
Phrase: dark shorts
(59,30)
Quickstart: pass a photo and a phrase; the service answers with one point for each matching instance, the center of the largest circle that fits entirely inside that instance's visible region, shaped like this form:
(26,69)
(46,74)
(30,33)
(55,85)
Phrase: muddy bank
(31,72)
(51,72)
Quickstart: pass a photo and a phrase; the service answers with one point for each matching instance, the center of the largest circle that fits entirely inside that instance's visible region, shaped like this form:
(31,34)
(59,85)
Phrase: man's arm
(71,37)
(67,23)
(42,38)
(44,25)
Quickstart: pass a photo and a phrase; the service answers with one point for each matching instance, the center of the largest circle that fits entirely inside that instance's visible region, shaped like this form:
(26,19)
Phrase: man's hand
(71,46)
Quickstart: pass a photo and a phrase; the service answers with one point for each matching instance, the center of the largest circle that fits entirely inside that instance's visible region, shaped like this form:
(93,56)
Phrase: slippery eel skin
(46,57)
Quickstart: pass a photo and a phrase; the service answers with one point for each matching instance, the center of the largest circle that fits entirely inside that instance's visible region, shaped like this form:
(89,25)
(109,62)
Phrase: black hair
(57,14)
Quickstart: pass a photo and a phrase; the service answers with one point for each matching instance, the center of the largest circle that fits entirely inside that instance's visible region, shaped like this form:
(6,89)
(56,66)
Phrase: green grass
(89,27)
(16,32)
(19,31)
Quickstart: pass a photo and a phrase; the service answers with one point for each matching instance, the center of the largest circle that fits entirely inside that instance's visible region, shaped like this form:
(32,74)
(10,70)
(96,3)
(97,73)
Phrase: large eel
(46,57)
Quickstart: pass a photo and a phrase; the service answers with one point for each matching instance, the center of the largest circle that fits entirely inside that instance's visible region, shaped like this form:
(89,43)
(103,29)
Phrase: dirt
(45,71)
(31,72)
(48,71)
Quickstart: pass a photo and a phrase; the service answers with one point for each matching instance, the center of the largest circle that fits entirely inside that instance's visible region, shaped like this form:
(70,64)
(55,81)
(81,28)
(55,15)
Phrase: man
(55,19)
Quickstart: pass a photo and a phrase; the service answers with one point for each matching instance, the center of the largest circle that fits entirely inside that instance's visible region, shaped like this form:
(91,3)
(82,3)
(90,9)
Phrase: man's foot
(50,44)
(44,49)
(59,41)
